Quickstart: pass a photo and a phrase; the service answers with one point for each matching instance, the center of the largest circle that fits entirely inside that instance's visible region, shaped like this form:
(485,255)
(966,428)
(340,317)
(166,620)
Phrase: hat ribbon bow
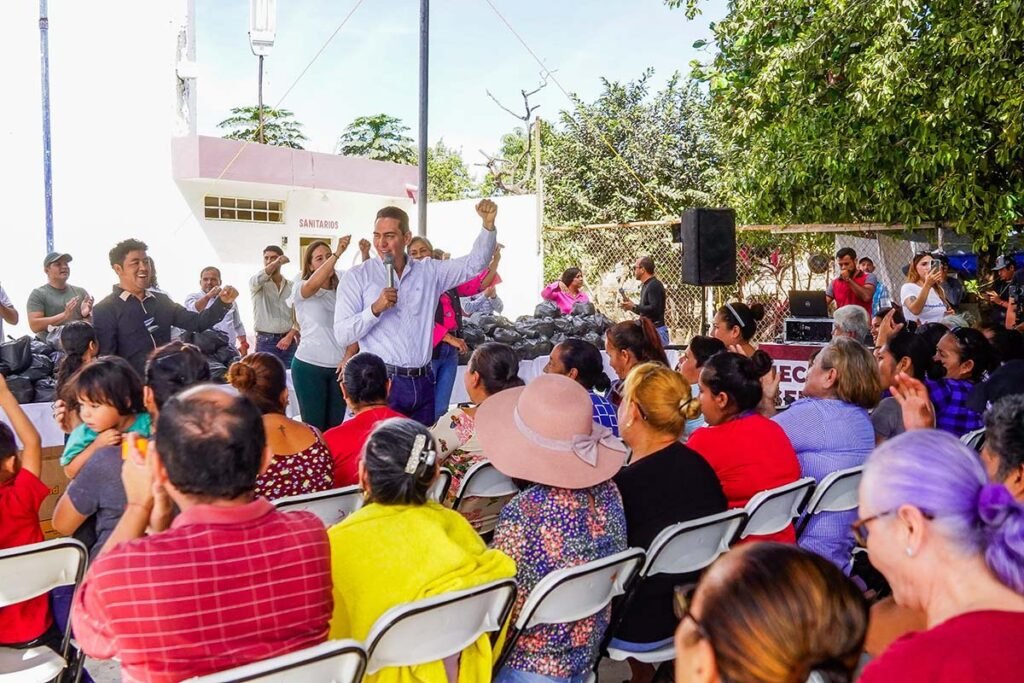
(583,446)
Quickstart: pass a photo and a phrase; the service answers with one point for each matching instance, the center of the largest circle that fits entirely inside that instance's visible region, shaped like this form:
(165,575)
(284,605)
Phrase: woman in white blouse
(318,356)
(921,295)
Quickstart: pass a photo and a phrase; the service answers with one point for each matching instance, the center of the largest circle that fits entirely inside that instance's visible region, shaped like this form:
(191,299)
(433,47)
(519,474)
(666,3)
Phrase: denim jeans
(510,675)
(445,369)
(267,343)
(413,397)
(663,333)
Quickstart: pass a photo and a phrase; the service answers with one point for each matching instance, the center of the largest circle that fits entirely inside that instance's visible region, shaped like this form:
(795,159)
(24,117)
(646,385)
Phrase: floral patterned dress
(307,471)
(544,529)
(455,432)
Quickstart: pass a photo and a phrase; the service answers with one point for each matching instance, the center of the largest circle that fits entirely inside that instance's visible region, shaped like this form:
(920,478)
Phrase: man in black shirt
(652,297)
(1008,281)
(134,319)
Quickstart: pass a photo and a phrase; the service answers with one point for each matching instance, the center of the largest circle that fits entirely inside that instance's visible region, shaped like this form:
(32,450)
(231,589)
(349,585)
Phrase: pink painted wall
(202,157)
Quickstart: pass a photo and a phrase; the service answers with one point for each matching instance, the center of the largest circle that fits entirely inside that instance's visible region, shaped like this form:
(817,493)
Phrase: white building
(127,163)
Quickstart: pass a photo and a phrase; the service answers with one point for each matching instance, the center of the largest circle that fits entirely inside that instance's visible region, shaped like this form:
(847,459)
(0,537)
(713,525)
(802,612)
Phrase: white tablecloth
(528,369)
(41,415)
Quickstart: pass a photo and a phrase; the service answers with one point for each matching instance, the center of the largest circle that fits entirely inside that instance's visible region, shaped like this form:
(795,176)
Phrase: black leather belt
(394,370)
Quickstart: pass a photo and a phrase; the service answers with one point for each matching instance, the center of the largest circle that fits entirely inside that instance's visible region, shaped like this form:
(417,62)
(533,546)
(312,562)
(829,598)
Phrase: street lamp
(262,29)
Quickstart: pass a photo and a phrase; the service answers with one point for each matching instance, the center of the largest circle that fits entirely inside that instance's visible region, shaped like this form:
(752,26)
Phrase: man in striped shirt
(230,581)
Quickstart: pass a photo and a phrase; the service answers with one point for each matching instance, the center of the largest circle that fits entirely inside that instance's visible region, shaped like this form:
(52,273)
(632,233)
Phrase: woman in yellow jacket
(401,547)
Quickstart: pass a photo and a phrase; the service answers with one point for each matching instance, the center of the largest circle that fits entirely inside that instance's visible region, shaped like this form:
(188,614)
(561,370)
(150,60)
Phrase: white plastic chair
(435,628)
(837,492)
(29,571)
(484,492)
(336,661)
(330,506)
(683,548)
(574,593)
(771,511)
(438,491)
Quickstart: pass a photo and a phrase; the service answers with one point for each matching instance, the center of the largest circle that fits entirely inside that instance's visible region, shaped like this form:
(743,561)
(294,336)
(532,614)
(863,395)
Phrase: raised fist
(228,295)
(487,210)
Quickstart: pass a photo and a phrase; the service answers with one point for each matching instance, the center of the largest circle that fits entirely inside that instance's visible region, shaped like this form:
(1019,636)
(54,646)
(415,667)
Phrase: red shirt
(224,586)
(972,648)
(749,454)
(346,443)
(20,499)
(844,295)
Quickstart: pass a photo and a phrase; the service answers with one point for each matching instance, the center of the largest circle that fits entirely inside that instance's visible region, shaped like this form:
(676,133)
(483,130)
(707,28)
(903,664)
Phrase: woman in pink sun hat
(572,513)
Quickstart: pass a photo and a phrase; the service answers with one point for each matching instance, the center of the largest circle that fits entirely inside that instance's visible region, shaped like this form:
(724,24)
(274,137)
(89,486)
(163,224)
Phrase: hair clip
(412,464)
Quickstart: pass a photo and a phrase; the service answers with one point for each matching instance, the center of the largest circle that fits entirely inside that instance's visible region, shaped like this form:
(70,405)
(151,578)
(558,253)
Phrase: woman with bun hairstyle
(566,291)
(951,544)
(770,613)
(735,325)
(580,360)
(664,483)
(690,363)
(365,385)
(400,547)
(748,452)
(492,368)
(629,344)
(302,462)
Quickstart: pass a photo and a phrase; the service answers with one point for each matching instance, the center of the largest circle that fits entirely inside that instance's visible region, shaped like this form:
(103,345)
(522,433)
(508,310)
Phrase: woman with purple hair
(951,545)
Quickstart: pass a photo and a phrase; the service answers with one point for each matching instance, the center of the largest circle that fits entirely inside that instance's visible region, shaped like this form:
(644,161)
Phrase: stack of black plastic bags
(29,366)
(534,336)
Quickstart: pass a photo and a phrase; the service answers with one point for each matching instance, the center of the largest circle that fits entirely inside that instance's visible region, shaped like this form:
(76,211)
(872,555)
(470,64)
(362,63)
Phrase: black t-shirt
(673,485)
(652,301)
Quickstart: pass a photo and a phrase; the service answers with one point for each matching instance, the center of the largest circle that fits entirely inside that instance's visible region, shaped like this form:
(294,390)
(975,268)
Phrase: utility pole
(421,192)
(262,31)
(44,56)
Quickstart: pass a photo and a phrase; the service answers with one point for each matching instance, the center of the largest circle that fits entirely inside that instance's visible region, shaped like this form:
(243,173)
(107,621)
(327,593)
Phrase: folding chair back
(691,546)
(439,489)
(771,511)
(432,629)
(330,506)
(336,661)
(574,593)
(484,492)
(837,492)
(29,571)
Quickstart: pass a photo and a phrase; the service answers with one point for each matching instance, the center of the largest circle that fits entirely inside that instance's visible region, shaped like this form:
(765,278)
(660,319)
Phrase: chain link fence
(769,265)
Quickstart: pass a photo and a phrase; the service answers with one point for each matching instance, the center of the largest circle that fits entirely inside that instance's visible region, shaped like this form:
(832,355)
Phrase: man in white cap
(1008,281)
(57,303)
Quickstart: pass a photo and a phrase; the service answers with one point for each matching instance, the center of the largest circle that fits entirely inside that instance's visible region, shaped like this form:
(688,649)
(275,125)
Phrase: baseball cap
(55,256)
(1003,262)
(1006,380)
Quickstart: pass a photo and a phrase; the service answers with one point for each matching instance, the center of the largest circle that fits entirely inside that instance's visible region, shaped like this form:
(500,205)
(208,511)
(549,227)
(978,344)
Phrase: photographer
(1008,285)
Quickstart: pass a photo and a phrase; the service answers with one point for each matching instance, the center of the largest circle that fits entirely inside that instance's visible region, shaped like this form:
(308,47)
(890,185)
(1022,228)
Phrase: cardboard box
(52,476)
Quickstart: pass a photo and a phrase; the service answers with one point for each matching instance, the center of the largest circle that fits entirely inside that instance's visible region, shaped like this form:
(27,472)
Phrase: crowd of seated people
(194,508)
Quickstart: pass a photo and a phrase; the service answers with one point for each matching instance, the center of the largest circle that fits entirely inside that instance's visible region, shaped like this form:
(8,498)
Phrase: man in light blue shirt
(396,323)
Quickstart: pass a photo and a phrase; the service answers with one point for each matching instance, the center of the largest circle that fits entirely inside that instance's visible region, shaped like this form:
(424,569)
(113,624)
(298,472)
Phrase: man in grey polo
(273,319)
(57,303)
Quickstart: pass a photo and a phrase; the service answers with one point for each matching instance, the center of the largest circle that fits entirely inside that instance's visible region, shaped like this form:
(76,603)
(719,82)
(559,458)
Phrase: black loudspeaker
(709,246)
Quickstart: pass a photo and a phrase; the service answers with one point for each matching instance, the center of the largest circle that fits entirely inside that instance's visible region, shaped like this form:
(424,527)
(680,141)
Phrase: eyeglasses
(683,599)
(860,527)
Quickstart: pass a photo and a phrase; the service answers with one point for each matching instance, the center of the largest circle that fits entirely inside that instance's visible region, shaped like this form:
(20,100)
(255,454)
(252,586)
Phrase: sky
(371,65)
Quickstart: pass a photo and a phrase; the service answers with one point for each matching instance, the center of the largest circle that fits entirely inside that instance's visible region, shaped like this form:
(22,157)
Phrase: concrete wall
(453,226)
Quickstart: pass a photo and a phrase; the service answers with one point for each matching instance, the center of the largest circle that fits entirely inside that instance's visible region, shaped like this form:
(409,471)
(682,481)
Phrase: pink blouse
(468,288)
(565,300)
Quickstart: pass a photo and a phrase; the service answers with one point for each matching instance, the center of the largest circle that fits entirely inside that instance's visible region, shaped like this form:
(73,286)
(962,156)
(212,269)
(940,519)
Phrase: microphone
(389,270)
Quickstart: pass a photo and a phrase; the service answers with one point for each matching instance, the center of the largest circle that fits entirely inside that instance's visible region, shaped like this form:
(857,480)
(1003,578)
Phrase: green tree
(447,175)
(630,155)
(379,137)
(890,110)
(279,126)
